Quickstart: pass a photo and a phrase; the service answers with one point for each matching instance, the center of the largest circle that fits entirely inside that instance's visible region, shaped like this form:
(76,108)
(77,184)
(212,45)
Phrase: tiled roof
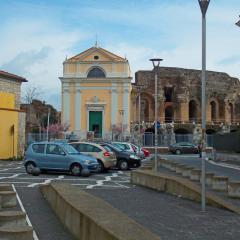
(12,76)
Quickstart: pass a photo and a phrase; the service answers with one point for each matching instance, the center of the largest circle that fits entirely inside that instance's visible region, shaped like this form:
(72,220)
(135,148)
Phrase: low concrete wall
(90,218)
(234,189)
(178,186)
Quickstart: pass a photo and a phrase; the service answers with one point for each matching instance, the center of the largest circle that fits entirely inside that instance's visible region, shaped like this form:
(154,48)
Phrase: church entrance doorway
(95,123)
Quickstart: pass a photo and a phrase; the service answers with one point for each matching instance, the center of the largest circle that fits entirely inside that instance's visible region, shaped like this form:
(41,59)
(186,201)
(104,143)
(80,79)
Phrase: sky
(37,35)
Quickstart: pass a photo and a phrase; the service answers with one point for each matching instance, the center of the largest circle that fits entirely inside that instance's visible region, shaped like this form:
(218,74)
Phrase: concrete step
(5,187)
(8,199)
(16,233)
(12,218)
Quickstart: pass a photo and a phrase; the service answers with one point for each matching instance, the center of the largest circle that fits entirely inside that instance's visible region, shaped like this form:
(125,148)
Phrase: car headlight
(86,161)
(133,156)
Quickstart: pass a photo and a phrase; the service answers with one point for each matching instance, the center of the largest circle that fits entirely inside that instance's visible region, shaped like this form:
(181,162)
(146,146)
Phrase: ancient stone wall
(21,133)
(179,96)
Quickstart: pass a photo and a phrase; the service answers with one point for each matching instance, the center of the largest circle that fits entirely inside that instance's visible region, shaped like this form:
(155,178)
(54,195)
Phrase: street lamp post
(49,110)
(139,88)
(203,6)
(121,112)
(156,63)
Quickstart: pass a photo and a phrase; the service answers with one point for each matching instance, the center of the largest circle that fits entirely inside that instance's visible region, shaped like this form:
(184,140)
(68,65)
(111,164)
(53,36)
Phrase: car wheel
(178,152)
(76,169)
(123,165)
(29,167)
(100,167)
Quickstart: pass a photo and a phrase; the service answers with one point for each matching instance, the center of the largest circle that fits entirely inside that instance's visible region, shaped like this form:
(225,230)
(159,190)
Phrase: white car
(130,147)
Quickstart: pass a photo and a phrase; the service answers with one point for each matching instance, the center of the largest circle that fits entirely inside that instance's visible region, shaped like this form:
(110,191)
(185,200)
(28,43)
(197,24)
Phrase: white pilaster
(114,104)
(66,106)
(77,110)
(125,104)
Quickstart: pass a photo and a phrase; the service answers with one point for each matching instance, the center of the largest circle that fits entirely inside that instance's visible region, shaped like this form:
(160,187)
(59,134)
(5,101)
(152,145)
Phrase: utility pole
(203,6)
(156,63)
(49,110)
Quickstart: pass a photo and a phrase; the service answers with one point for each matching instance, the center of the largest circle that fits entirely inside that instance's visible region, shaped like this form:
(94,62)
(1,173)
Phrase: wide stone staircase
(13,223)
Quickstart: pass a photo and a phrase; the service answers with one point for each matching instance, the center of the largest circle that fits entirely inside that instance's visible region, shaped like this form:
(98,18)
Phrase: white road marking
(23,209)
(6,169)
(13,176)
(224,165)
(47,181)
(106,179)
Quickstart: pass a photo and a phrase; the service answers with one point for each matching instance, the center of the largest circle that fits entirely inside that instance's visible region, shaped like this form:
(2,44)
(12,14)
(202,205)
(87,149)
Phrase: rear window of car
(87,148)
(38,148)
(107,148)
(119,146)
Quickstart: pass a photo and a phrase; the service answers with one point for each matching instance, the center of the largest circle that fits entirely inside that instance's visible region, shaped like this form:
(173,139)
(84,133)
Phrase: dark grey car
(183,147)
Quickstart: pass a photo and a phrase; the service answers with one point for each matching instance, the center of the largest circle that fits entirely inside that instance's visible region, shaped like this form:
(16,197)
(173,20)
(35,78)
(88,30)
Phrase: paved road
(170,217)
(45,223)
(220,169)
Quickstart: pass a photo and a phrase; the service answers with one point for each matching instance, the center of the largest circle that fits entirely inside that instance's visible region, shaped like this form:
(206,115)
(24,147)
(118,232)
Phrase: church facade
(96,93)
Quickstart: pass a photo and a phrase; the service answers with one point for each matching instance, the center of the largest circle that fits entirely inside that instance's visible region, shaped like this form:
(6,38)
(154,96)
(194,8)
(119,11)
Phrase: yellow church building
(96,89)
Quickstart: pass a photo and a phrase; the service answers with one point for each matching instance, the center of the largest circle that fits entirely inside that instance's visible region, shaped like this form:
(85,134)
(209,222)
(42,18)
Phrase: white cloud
(36,46)
(36,50)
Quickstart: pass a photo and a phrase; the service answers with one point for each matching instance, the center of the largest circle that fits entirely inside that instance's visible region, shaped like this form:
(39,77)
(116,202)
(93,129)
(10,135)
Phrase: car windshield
(70,149)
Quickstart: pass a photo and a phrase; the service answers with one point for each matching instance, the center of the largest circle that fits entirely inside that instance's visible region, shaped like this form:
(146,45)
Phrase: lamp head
(238,23)
(204,6)
(156,61)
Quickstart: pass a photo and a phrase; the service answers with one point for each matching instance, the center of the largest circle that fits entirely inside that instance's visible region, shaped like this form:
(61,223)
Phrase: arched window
(192,111)
(96,73)
(213,111)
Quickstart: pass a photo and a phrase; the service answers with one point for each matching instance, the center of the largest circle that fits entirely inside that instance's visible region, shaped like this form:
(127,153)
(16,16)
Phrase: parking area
(14,173)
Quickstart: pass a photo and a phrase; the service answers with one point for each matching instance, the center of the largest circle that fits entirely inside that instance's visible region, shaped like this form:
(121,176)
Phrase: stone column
(183,108)
(226,109)
(161,106)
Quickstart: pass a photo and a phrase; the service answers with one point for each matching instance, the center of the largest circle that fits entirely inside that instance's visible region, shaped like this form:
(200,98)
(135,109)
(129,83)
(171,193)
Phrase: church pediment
(96,54)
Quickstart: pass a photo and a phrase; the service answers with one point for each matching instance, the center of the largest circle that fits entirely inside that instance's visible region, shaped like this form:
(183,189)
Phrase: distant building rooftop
(12,76)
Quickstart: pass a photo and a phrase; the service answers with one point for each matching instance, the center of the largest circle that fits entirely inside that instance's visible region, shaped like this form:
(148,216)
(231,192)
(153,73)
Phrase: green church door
(95,123)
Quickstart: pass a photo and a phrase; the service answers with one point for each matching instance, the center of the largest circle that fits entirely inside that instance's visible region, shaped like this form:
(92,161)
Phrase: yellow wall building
(96,87)
(12,120)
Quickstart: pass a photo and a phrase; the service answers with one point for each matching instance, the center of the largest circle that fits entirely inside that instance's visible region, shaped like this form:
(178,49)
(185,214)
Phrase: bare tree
(30,93)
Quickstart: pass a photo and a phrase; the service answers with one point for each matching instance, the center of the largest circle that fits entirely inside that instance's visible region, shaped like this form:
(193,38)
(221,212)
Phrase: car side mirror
(62,153)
